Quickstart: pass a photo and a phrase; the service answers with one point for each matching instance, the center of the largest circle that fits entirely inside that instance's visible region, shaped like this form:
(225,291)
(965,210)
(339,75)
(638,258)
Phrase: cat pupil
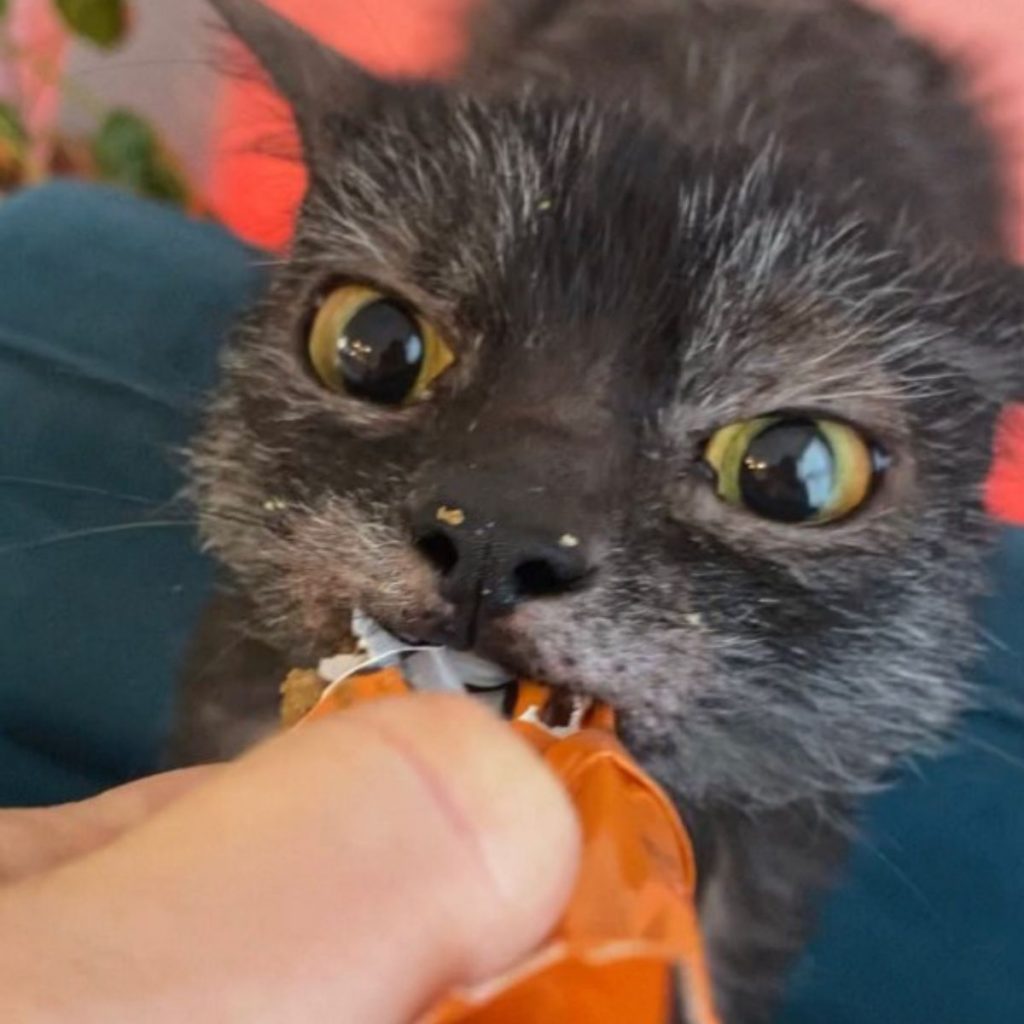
(381,353)
(788,473)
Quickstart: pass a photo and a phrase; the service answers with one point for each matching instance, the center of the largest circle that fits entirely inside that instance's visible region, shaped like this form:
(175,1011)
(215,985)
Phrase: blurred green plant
(123,149)
(103,22)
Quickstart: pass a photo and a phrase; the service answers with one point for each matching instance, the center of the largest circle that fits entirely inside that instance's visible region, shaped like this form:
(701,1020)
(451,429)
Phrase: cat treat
(628,946)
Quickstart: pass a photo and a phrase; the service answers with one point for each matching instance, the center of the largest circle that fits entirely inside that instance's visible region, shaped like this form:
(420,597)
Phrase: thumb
(352,870)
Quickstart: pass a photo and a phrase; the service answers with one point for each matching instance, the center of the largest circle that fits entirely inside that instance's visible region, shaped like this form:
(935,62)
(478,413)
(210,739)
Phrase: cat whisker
(83,489)
(182,523)
(993,641)
(95,531)
(995,751)
(169,505)
(229,646)
(901,875)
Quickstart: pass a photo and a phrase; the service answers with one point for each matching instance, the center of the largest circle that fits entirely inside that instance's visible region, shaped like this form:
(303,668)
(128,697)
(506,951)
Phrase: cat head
(663,426)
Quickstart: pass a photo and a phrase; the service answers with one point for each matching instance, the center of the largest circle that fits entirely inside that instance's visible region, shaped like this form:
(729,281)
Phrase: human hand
(352,870)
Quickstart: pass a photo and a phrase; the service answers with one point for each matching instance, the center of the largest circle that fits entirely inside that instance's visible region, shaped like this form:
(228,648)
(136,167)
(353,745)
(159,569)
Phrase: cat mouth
(433,664)
(437,667)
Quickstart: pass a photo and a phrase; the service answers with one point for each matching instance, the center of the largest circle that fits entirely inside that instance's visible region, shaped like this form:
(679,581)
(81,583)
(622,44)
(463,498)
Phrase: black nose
(488,566)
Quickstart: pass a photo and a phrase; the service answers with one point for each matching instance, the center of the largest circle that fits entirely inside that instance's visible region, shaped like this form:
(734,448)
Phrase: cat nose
(488,566)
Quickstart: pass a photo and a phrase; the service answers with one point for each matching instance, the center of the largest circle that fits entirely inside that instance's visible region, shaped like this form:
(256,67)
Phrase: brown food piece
(300,693)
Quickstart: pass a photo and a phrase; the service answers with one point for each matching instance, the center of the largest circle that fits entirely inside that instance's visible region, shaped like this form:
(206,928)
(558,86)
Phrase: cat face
(618,360)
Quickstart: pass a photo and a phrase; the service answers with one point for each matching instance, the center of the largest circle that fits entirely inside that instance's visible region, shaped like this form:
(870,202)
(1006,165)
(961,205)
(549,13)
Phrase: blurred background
(142,93)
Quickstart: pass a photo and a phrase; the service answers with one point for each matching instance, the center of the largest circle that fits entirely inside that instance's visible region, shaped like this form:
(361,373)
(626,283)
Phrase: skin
(286,887)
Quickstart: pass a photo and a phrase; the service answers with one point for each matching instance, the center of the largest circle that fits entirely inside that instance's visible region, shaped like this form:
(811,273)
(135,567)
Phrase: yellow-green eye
(373,347)
(794,469)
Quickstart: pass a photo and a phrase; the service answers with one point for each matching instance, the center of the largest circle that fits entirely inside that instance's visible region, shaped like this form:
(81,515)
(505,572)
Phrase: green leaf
(3,8)
(128,153)
(103,22)
(13,135)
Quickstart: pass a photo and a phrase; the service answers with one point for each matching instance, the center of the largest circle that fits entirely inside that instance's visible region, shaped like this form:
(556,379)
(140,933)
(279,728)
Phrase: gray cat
(656,354)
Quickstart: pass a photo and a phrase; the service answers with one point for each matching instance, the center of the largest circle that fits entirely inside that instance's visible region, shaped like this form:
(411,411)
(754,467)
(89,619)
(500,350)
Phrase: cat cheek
(624,655)
(342,558)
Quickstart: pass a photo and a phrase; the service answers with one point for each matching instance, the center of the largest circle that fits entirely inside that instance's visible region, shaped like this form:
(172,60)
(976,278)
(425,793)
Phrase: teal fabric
(929,928)
(111,311)
(110,314)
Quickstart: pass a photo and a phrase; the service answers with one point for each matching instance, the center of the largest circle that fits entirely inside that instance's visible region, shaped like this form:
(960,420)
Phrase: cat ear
(303,69)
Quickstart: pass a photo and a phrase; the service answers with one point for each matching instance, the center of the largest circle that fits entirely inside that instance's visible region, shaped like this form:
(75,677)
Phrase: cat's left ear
(307,73)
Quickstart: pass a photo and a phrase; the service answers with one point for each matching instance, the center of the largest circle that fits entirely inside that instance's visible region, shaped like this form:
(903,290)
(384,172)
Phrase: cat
(655,353)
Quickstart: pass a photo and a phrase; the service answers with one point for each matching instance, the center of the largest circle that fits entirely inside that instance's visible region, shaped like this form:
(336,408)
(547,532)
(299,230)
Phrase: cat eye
(370,346)
(794,469)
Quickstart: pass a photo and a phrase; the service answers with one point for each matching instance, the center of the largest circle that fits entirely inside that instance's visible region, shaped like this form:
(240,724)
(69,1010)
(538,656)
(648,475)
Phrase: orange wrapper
(628,946)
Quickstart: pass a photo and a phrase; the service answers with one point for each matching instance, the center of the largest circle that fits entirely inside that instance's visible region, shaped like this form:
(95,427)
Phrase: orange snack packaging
(628,947)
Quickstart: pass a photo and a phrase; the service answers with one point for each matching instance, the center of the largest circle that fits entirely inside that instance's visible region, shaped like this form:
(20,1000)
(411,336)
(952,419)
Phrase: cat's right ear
(305,71)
